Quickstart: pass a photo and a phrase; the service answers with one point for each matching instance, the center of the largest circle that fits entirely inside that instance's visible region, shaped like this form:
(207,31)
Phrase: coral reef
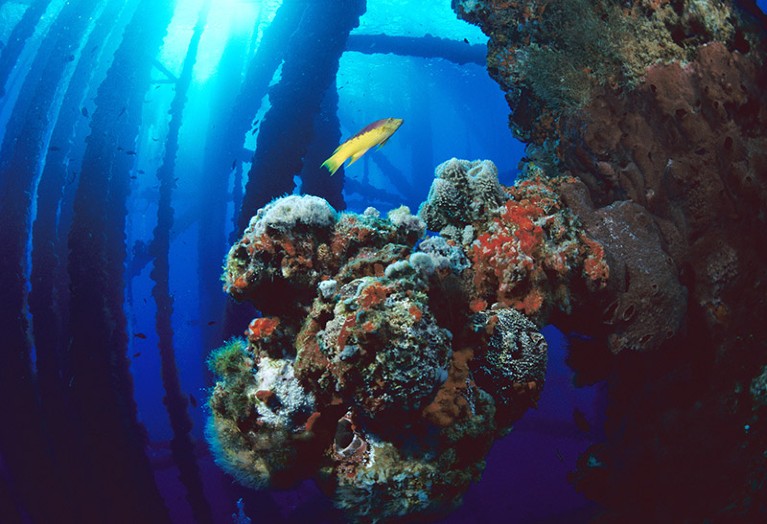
(657,108)
(380,349)
(386,362)
(526,248)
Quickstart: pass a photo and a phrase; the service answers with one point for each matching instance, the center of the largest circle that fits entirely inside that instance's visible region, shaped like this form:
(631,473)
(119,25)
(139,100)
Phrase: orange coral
(450,404)
(531,303)
(240,282)
(312,420)
(372,295)
(262,327)
(343,335)
(416,313)
(594,266)
(477,305)
(526,255)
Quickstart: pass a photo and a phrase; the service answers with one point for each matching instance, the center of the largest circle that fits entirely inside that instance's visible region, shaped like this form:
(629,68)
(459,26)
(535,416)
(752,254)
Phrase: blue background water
(463,114)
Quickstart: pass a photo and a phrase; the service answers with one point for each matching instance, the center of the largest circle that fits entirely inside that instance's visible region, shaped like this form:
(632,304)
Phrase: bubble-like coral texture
(512,361)
(289,212)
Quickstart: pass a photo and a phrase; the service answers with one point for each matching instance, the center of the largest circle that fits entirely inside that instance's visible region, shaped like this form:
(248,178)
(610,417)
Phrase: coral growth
(510,362)
(462,193)
(551,62)
(259,412)
(528,254)
(380,367)
(526,247)
(381,349)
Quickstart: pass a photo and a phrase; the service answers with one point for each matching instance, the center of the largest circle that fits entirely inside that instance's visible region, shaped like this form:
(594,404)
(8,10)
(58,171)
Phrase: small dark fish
(142,336)
(155,139)
(70,58)
(120,148)
(130,152)
(212,323)
(84,111)
(192,400)
(133,177)
(54,148)
(93,50)
(137,354)
(234,164)
(465,40)
(580,421)
(141,171)
(122,111)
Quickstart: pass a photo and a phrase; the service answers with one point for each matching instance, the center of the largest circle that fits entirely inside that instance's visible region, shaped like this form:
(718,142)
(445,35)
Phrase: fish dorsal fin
(370,127)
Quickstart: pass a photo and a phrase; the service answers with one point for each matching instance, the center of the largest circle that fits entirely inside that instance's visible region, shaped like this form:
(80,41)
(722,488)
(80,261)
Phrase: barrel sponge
(462,193)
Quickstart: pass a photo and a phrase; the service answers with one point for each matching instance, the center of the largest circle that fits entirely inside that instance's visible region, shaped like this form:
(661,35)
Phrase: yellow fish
(375,134)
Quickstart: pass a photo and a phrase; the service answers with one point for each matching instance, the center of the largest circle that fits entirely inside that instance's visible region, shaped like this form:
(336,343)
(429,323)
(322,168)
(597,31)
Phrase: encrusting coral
(386,362)
(525,245)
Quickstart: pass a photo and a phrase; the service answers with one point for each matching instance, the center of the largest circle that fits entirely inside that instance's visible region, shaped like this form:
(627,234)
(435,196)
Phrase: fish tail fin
(334,162)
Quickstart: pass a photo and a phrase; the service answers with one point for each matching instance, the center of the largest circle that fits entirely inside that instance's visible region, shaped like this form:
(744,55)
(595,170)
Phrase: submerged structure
(386,365)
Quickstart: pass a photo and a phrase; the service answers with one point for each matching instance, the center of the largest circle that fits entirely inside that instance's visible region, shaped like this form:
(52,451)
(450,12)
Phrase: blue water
(461,111)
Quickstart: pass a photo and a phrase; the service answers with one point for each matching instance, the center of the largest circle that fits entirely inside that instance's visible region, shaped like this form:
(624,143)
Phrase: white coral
(286,212)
